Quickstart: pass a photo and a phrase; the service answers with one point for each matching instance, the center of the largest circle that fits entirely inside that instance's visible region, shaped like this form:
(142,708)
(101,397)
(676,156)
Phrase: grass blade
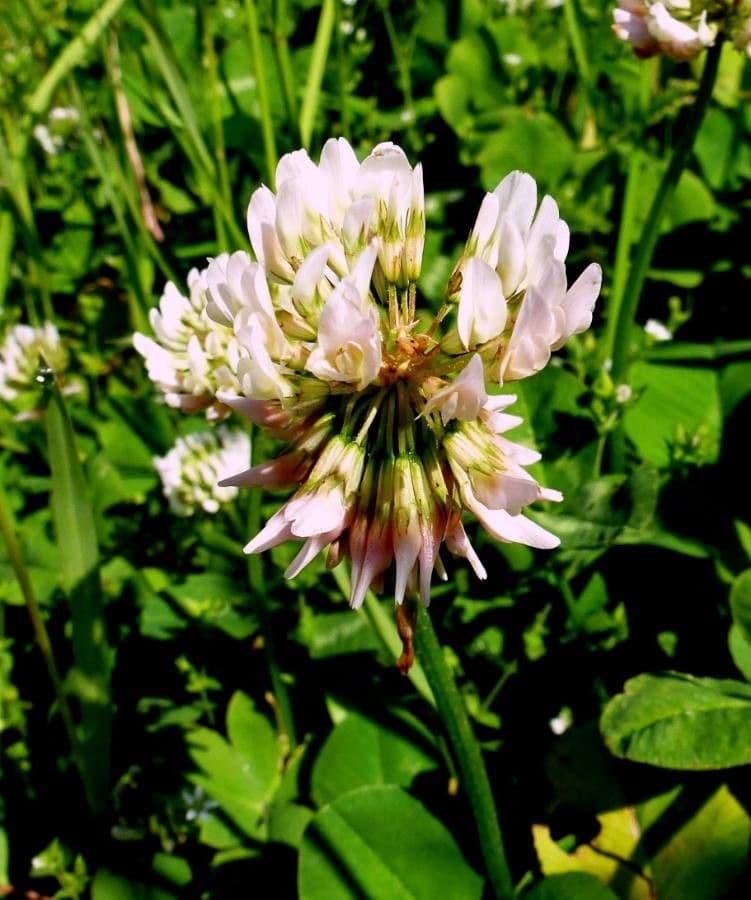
(89,679)
(315,73)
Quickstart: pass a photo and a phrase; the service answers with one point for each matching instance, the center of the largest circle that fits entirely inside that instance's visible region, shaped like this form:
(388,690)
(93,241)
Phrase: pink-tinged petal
(376,557)
(517,199)
(316,513)
(293,166)
(267,413)
(511,263)
(459,544)
(579,302)
(511,529)
(276,531)
(482,307)
(310,549)
(273,473)
(483,241)
(263,237)
(464,397)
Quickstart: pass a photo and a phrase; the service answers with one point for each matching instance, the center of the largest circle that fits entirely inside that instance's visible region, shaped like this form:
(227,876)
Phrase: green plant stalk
(284,62)
(576,38)
(267,123)
(188,134)
(71,56)
(403,65)
(385,630)
(217,127)
(626,313)
(258,588)
(312,95)
(626,237)
(455,720)
(648,241)
(41,634)
(76,539)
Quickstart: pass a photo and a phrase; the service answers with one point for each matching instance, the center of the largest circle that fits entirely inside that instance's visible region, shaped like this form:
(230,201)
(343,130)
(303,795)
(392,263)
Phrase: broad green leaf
(613,857)
(681,722)
(740,602)
(75,532)
(375,754)
(380,843)
(242,775)
(109,886)
(215,600)
(254,738)
(570,886)
(536,143)
(678,408)
(740,649)
(705,852)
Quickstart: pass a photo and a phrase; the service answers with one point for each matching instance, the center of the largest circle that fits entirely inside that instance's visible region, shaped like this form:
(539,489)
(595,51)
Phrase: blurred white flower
(24,351)
(678,28)
(192,469)
(657,330)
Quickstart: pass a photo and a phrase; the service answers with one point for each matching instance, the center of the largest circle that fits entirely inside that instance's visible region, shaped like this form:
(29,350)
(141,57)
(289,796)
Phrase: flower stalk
(474,775)
(625,314)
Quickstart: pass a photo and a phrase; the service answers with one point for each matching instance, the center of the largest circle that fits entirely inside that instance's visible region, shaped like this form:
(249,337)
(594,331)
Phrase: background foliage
(220,742)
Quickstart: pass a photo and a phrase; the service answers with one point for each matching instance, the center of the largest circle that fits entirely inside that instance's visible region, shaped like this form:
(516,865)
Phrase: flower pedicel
(391,434)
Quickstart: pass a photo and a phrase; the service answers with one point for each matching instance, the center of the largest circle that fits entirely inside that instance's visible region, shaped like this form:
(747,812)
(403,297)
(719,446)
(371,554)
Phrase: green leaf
(535,143)
(242,775)
(704,855)
(375,754)
(570,886)
(214,599)
(740,602)
(740,649)
(678,405)
(680,722)
(108,886)
(89,679)
(380,843)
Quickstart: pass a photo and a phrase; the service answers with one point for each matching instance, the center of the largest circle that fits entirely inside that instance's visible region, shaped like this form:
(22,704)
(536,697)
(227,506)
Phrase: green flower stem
(453,714)
(267,123)
(646,245)
(284,61)
(319,57)
(259,588)
(41,635)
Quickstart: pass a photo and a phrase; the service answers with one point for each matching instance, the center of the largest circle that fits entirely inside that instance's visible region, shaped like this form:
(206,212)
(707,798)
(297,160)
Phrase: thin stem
(267,124)
(41,635)
(217,125)
(284,61)
(318,60)
(258,588)
(646,245)
(648,241)
(453,714)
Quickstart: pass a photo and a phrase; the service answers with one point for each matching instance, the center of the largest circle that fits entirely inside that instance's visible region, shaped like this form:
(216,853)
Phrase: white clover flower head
(191,471)
(679,29)
(24,351)
(192,357)
(390,428)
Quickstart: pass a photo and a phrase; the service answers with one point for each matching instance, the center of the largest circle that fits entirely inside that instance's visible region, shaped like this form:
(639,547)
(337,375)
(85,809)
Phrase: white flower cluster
(682,29)
(390,430)
(192,469)
(23,353)
(193,356)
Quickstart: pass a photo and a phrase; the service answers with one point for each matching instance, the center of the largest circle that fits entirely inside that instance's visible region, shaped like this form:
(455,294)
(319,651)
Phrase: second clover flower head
(390,430)
(682,29)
